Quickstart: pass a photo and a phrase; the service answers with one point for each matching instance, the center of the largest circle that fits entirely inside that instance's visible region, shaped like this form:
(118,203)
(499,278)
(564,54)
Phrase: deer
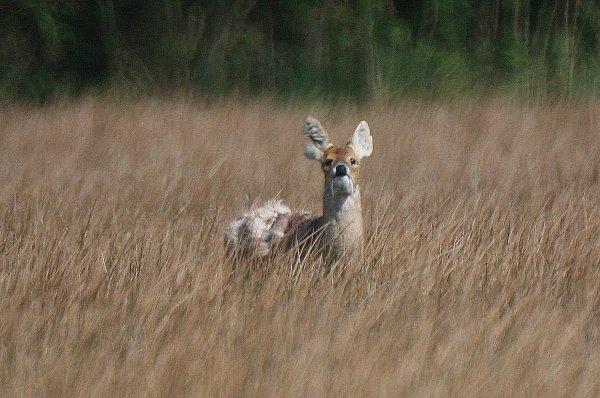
(338,232)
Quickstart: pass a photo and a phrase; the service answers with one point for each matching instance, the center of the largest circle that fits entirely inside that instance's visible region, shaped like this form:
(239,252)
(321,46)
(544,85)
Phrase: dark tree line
(355,49)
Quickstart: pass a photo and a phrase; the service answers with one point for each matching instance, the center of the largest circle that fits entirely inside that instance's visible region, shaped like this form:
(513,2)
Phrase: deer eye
(328,162)
(353,161)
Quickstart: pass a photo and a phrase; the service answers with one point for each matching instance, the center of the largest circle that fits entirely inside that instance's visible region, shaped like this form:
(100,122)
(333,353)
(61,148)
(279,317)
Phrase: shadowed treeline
(307,49)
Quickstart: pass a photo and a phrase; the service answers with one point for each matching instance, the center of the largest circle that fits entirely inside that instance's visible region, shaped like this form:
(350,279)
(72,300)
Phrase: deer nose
(341,170)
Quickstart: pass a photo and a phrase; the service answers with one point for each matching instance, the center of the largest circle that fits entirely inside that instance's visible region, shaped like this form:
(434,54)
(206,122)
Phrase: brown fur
(300,228)
(344,154)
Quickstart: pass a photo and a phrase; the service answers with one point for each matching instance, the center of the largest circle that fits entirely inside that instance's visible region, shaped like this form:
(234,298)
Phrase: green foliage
(338,49)
(49,47)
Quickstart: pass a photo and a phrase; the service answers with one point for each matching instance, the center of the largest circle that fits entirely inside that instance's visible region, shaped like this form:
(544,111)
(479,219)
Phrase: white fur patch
(342,186)
(258,229)
(362,142)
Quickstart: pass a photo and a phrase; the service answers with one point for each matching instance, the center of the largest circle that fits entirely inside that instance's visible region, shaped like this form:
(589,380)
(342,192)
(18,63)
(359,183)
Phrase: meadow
(481,272)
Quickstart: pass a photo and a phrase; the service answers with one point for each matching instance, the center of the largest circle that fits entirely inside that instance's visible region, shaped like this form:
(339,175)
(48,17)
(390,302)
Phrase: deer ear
(362,142)
(312,152)
(314,130)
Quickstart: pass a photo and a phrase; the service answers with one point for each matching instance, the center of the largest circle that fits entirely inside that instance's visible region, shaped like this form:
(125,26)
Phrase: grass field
(481,275)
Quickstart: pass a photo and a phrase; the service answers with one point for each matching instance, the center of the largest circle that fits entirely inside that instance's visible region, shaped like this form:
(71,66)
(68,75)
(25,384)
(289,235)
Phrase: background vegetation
(481,275)
(481,271)
(314,48)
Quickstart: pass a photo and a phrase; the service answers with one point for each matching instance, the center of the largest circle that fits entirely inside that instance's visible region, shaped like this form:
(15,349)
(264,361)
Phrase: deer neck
(342,220)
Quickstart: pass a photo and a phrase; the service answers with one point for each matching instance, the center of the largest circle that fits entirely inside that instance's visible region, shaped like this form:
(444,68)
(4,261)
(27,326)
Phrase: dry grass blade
(481,274)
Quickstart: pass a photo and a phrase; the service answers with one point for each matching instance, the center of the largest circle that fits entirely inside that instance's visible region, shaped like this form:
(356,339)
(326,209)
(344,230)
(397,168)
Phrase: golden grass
(481,275)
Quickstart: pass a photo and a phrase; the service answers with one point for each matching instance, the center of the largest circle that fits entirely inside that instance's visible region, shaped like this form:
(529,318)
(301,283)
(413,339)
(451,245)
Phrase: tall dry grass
(481,275)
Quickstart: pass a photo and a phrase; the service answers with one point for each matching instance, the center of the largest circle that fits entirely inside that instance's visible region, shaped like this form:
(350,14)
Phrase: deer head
(340,164)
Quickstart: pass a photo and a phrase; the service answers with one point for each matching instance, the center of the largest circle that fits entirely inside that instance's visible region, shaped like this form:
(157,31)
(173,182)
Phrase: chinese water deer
(339,231)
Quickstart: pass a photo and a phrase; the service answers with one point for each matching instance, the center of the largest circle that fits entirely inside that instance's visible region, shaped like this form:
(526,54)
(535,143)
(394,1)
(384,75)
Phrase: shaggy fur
(257,230)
